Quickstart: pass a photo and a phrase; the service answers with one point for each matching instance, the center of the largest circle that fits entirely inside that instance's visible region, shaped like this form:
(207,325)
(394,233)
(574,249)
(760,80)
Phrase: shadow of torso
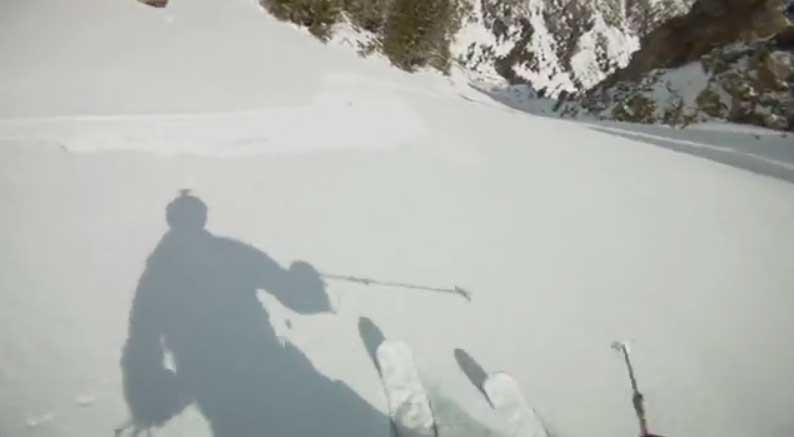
(198,293)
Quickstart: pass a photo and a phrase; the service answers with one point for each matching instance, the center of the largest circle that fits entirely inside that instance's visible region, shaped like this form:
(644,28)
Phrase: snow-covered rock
(552,45)
(557,45)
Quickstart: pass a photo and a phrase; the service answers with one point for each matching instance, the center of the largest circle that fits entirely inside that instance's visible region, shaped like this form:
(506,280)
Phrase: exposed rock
(709,24)
(726,59)
(557,45)
(750,83)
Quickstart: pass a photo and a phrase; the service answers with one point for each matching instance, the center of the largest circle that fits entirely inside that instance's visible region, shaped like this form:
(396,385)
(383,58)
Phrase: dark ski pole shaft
(369,281)
(637,398)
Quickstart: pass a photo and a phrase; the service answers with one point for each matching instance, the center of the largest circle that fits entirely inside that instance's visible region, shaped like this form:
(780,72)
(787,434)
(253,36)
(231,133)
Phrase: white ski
(506,399)
(409,405)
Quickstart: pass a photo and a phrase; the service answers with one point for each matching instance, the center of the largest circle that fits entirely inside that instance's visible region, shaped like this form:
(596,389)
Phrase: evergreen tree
(417,33)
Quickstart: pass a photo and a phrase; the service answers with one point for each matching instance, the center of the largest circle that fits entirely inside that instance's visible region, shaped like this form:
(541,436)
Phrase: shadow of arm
(299,288)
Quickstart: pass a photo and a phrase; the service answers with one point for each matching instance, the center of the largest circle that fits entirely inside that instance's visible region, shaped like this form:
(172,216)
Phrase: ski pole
(369,281)
(637,398)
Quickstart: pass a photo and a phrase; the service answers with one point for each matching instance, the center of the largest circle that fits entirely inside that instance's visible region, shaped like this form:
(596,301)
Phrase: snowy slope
(569,237)
(89,57)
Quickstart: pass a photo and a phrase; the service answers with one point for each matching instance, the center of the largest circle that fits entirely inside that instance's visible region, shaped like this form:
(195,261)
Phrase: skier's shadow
(471,368)
(197,300)
(372,337)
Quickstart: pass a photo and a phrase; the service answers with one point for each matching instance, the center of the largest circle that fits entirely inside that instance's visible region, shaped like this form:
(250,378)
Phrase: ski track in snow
(769,154)
(745,154)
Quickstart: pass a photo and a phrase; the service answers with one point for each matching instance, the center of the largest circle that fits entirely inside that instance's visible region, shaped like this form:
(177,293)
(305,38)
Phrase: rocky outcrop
(726,59)
(700,59)
(743,82)
(557,45)
(710,24)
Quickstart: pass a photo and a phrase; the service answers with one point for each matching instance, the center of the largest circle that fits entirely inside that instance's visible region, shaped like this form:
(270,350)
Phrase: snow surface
(569,237)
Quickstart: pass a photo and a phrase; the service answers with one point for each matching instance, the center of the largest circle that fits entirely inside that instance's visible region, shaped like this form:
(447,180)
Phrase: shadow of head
(186,213)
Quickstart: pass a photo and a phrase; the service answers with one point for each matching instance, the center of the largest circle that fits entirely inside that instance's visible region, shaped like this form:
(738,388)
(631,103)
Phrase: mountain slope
(569,235)
(562,47)
(553,45)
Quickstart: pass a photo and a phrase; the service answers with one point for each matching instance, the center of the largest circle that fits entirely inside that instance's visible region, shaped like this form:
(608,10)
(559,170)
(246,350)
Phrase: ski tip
(500,375)
(391,350)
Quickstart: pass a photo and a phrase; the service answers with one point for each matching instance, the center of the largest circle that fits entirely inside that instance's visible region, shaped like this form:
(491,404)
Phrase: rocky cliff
(726,60)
